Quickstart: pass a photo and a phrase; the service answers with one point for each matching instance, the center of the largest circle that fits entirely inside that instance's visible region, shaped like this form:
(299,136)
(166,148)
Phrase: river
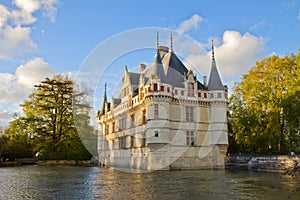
(73,182)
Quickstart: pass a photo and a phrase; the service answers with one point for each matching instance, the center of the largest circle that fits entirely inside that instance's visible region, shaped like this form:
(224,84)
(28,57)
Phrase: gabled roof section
(134,78)
(170,60)
(214,82)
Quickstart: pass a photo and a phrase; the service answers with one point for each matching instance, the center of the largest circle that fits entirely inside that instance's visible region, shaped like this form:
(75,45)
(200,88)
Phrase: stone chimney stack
(142,67)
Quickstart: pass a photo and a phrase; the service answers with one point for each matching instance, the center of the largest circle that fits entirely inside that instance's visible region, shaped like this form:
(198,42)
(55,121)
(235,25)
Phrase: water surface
(73,182)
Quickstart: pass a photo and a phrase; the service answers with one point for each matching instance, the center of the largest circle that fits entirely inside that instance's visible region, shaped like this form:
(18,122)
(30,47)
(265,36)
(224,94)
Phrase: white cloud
(298,17)
(189,24)
(14,88)
(28,7)
(4,14)
(49,9)
(15,33)
(33,71)
(5,115)
(236,54)
(15,41)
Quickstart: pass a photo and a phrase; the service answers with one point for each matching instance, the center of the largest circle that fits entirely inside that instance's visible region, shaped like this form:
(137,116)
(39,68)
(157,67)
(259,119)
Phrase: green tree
(48,124)
(261,109)
(16,140)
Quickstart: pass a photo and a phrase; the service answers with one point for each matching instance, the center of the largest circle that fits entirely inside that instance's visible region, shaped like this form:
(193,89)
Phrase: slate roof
(214,82)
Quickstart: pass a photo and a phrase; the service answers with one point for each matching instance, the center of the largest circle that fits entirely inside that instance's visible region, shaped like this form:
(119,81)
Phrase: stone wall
(266,163)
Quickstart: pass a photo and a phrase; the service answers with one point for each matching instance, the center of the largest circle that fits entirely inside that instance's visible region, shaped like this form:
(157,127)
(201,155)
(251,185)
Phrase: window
(155,111)
(176,92)
(182,93)
(189,114)
(162,88)
(122,123)
(190,89)
(156,134)
(143,142)
(219,95)
(144,116)
(106,129)
(155,87)
(190,138)
(168,89)
(212,96)
(199,94)
(205,95)
(132,123)
(122,142)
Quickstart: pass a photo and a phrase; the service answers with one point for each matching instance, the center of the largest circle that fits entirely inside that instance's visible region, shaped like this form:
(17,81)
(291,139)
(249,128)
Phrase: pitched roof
(134,78)
(156,69)
(171,60)
(214,82)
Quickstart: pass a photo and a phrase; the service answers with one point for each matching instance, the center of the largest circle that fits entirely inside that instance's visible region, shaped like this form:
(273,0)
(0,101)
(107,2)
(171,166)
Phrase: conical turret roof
(214,82)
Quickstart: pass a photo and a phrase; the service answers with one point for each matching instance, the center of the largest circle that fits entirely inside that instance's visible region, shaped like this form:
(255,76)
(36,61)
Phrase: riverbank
(85,163)
(280,163)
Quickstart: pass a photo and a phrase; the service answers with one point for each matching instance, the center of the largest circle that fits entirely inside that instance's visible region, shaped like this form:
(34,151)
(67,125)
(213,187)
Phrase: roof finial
(171,42)
(157,40)
(212,49)
(105,92)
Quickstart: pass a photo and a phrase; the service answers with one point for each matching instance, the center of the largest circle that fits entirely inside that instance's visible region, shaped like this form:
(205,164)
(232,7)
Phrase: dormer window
(190,89)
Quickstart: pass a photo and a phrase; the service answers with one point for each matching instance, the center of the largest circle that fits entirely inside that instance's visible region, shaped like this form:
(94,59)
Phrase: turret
(214,82)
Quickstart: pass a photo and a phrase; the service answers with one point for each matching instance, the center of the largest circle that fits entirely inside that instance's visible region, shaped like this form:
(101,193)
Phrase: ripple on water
(71,182)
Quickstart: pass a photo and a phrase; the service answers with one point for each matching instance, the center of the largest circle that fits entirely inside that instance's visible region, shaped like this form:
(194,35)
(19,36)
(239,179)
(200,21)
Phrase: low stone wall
(266,163)
(66,162)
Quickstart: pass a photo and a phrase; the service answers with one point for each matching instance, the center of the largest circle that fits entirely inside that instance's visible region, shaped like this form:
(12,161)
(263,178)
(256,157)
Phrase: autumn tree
(264,108)
(49,122)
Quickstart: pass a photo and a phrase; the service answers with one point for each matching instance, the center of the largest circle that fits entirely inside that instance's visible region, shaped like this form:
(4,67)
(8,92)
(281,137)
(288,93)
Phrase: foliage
(264,108)
(47,130)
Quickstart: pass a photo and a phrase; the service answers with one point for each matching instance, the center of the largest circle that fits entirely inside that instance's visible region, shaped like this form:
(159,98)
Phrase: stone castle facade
(164,118)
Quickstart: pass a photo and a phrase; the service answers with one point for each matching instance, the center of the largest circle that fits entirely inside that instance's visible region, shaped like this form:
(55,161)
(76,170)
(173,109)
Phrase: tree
(16,141)
(261,108)
(49,122)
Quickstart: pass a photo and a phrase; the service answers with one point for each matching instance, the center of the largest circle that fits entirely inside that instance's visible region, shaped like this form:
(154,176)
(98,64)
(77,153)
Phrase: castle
(164,118)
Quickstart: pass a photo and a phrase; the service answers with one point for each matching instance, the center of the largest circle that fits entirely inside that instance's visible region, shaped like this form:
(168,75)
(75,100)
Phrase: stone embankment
(263,163)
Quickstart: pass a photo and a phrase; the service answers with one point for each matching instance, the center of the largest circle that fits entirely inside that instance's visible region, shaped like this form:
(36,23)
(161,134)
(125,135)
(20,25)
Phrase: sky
(40,38)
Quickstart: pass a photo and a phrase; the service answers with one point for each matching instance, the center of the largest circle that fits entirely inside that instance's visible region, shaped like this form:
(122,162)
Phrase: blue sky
(40,38)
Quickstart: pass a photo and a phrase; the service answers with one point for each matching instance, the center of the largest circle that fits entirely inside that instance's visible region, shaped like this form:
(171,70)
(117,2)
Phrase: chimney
(205,80)
(142,67)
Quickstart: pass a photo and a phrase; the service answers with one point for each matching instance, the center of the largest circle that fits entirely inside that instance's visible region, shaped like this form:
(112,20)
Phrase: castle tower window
(219,95)
(156,111)
(189,113)
(182,93)
(191,89)
(199,94)
(168,89)
(144,117)
(156,134)
(132,122)
(212,95)
(205,95)
(176,92)
(190,138)
(155,87)
(162,88)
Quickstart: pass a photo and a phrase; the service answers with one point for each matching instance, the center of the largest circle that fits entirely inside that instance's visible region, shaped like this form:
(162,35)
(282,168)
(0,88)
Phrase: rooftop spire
(157,40)
(212,49)
(105,97)
(171,42)
(214,82)
(104,100)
